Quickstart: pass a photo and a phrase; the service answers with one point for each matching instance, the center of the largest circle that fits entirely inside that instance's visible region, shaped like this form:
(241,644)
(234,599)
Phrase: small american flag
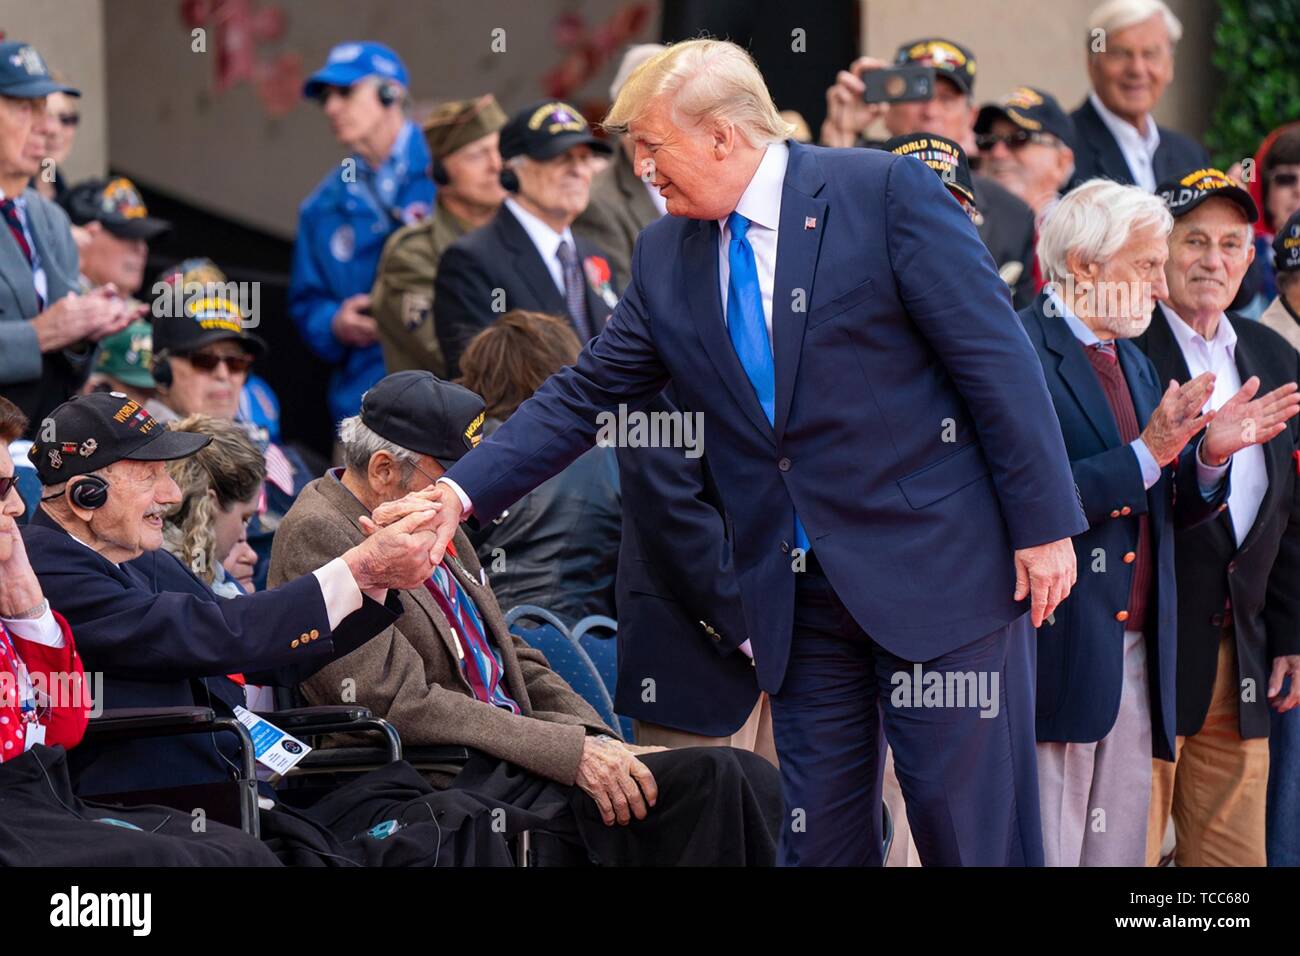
(279,471)
(810,222)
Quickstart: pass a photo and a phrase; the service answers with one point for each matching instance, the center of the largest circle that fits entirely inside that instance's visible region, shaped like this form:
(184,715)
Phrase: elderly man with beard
(1238,605)
(1106,658)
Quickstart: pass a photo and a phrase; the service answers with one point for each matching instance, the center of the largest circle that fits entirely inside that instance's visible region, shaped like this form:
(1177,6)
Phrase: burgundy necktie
(15,225)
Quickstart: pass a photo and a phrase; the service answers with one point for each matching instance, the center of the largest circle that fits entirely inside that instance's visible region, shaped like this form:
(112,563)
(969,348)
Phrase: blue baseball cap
(349,62)
(24,75)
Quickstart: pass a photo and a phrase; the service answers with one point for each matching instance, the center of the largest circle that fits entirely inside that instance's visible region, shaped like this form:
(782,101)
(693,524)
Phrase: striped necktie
(575,290)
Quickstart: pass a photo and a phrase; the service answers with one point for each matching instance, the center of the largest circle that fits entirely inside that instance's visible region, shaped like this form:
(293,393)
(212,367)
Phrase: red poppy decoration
(1296,456)
(598,271)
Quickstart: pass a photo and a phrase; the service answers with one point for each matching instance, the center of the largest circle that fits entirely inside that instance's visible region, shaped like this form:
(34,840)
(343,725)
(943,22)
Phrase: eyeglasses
(1016,140)
(69,120)
(208,362)
(1285,179)
(7,484)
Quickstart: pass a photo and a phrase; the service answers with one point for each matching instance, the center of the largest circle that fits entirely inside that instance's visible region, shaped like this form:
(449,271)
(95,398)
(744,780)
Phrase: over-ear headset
(509,181)
(89,492)
(388,93)
(162,369)
(439,172)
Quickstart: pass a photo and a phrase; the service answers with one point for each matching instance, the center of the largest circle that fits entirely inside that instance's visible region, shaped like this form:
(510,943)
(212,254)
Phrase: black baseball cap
(207,314)
(1185,193)
(116,205)
(1286,246)
(420,412)
(948,58)
(943,156)
(546,129)
(92,431)
(1032,110)
(24,75)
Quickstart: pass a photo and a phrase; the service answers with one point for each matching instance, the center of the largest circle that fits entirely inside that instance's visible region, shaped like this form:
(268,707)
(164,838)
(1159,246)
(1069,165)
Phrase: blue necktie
(748,330)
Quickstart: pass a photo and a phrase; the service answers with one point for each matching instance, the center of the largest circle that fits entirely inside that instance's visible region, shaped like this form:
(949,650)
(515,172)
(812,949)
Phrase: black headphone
(509,181)
(162,369)
(89,492)
(388,93)
(439,172)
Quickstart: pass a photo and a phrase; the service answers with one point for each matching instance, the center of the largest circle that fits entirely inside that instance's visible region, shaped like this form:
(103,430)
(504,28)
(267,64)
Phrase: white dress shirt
(1249,473)
(545,240)
(760,203)
(1139,150)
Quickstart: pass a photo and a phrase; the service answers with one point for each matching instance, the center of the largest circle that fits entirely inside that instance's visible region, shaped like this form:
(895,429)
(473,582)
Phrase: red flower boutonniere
(1296,456)
(601,278)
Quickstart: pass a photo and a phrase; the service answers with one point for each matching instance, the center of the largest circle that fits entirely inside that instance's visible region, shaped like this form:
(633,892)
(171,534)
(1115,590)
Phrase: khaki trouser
(1217,788)
(755,735)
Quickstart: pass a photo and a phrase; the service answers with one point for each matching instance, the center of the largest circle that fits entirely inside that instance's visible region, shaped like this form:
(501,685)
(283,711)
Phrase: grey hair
(361,443)
(1115,15)
(1094,220)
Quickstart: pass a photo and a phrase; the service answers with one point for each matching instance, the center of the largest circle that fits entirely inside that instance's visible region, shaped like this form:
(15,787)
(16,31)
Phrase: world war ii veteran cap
(420,412)
(92,431)
(1187,192)
(24,75)
(949,59)
(459,122)
(1286,246)
(943,156)
(545,130)
(1033,111)
(116,205)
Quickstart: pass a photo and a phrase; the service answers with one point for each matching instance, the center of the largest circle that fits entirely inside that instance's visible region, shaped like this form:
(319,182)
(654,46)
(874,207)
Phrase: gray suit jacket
(410,674)
(36,382)
(619,209)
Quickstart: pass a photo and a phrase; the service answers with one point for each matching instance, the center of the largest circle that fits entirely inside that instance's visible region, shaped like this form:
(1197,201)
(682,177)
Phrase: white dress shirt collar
(1225,337)
(545,240)
(760,203)
(1139,149)
(1085,335)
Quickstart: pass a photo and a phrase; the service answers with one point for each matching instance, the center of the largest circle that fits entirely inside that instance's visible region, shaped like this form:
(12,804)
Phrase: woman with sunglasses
(61,133)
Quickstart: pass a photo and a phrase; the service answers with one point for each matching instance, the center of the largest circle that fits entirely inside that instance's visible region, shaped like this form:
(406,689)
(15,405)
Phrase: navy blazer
(680,618)
(491,270)
(913,429)
(161,638)
(1081,650)
(1096,153)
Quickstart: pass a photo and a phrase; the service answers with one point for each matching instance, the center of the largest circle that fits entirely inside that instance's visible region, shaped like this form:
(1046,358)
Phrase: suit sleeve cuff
(1209,477)
(40,630)
(1146,461)
(466,506)
(340,592)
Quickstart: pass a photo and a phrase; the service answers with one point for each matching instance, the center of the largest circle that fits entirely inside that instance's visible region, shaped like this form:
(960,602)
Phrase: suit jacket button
(1126,510)
(1114,514)
(1130,557)
(314,633)
(1232,567)
(784,464)
(1121,615)
(785,547)
(1217,619)
(294,644)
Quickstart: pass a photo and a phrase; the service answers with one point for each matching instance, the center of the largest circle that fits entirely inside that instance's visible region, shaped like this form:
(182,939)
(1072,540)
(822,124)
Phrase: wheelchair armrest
(306,719)
(150,722)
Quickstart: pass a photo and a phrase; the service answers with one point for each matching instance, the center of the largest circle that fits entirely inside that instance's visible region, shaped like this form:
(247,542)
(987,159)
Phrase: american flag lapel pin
(809,222)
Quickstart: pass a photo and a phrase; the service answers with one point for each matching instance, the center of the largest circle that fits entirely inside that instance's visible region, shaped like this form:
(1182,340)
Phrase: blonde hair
(232,467)
(704,80)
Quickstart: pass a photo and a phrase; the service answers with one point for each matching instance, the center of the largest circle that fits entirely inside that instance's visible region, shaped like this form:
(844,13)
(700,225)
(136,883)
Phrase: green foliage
(1257,51)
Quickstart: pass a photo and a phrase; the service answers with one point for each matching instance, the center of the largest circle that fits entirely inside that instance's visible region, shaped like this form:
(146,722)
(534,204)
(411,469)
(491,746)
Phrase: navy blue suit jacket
(913,430)
(1081,651)
(1097,154)
(161,638)
(680,617)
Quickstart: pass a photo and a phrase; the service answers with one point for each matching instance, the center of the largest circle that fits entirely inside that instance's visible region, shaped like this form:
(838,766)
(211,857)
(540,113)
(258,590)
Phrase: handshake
(406,539)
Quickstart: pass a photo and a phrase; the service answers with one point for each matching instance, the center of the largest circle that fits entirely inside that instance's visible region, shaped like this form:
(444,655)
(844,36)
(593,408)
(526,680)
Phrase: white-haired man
(1130,63)
(883,444)
(1238,614)
(1106,658)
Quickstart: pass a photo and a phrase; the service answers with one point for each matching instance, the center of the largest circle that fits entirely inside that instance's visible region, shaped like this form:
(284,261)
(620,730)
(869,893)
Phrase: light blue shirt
(1207,477)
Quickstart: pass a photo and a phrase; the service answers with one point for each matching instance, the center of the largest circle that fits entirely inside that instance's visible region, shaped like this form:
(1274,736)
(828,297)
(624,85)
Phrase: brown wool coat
(410,675)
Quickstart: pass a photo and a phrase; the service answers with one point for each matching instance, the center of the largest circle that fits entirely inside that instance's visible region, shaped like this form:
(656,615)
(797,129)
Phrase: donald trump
(882,439)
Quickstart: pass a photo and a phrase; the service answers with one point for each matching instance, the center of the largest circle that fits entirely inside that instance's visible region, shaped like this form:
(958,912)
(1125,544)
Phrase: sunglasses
(208,362)
(69,120)
(7,484)
(1285,179)
(1021,137)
